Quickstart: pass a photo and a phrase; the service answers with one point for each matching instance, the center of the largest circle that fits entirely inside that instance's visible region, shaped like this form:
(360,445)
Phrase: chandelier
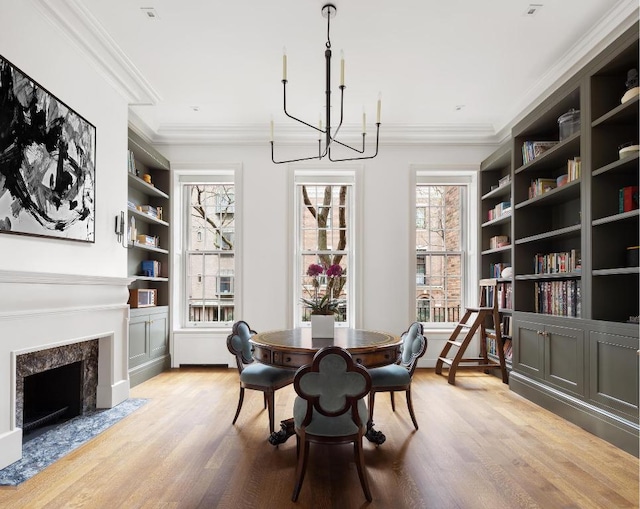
(328,11)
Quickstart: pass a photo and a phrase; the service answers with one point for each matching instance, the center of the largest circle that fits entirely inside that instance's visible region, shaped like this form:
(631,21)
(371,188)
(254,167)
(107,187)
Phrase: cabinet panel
(148,338)
(528,349)
(564,357)
(614,369)
(158,335)
(138,347)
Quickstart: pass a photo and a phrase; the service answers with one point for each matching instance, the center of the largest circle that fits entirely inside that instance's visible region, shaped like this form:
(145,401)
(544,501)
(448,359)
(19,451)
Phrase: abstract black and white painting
(47,162)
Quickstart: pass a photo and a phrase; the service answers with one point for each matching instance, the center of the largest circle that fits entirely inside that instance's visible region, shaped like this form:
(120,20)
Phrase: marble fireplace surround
(40,311)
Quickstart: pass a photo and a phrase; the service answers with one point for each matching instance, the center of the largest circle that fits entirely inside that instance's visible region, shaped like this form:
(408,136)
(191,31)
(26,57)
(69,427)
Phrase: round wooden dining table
(293,348)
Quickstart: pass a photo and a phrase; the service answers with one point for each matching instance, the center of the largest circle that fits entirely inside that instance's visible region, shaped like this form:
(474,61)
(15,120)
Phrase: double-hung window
(324,265)
(441,240)
(209,253)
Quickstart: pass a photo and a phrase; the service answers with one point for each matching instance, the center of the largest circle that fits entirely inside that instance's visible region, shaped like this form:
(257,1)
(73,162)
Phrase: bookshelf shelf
(144,247)
(622,216)
(627,165)
(504,218)
(561,233)
(140,185)
(557,155)
(625,112)
(498,192)
(146,218)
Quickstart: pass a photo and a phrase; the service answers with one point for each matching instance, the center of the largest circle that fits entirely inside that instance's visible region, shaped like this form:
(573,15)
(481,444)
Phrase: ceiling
(458,69)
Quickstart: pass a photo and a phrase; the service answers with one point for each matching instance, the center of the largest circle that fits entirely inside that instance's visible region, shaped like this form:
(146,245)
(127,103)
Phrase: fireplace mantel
(45,310)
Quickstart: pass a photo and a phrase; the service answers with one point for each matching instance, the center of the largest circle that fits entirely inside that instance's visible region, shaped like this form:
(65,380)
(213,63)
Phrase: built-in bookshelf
(573,236)
(495,212)
(148,236)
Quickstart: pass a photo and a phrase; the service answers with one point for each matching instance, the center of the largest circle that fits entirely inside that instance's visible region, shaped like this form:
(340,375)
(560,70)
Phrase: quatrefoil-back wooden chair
(330,408)
(397,377)
(255,375)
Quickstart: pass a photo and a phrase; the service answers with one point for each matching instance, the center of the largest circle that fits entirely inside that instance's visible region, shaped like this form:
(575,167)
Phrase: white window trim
(324,174)
(447,175)
(203,174)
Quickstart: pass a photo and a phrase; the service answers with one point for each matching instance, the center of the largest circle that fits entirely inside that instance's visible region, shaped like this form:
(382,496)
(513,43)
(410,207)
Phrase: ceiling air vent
(533,9)
(149,13)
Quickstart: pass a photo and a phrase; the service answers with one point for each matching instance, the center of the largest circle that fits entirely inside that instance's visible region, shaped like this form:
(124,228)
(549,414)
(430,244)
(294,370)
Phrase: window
(209,253)
(324,218)
(440,257)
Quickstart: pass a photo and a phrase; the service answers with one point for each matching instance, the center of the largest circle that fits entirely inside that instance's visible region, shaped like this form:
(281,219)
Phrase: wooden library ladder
(466,329)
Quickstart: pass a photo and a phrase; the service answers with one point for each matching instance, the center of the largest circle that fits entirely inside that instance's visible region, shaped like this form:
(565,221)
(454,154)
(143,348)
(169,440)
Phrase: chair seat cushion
(389,376)
(261,374)
(329,426)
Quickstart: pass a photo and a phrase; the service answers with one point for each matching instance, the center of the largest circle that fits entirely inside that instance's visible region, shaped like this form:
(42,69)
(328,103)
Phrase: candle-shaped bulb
(379,104)
(320,128)
(341,68)
(364,122)
(272,129)
(284,64)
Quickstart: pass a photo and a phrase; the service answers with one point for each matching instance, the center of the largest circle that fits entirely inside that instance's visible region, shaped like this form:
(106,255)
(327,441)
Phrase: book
(498,241)
(150,268)
(628,199)
(533,149)
(541,185)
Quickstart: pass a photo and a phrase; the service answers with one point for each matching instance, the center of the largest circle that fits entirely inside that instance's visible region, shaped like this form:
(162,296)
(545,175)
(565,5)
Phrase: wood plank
(479,445)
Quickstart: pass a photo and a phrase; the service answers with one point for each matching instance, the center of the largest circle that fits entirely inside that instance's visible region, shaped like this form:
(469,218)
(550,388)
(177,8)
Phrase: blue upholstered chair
(330,408)
(397,377)
(254,375)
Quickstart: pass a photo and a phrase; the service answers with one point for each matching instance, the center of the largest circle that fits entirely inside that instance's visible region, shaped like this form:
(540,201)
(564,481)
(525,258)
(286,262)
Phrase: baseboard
(10,447)
(610,427)
(148,370)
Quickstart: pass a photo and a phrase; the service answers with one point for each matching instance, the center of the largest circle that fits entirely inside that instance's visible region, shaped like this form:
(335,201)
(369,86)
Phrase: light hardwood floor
(479,446)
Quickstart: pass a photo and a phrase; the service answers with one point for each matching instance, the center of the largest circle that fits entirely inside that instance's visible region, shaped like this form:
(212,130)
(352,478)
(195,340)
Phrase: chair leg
(393,401)
(269,397)
(362,473)
(301,466)
(266,400)
(372,400)
(240,400)
(410,406)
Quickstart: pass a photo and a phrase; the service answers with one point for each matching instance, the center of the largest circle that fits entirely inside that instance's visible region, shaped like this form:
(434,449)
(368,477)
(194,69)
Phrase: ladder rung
(478,309)
(446,360)
(455,343)
(479,366)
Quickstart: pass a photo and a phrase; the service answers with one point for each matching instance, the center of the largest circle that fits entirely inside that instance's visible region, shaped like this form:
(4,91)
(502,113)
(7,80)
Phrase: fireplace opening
(51,397)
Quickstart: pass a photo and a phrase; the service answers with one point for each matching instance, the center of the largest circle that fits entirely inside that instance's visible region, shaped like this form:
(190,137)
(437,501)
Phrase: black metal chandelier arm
(360,152)
(284,83)
(319,156)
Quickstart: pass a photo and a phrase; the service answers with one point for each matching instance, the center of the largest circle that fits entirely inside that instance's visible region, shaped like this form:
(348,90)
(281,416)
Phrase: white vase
(322,326)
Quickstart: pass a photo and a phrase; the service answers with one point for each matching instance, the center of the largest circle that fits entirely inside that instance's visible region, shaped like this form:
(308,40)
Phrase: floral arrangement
(325,304)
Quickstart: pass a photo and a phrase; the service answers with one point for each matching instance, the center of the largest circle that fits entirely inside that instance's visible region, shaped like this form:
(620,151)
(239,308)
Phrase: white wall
(55,291)
(388,299)
(37,47)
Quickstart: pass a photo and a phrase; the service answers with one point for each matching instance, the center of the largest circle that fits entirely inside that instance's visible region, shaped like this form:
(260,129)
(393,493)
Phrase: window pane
(439,252)
(323,228)
(210,260)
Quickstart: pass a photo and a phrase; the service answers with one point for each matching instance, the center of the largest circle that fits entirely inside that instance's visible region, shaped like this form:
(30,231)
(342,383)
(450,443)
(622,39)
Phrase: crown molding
(85,32)
(287,135)
(619,19)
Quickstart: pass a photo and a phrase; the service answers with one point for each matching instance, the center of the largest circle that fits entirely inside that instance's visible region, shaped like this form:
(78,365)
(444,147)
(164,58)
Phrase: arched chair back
(330,408)
(239,345)
(397,377)
(255,375)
